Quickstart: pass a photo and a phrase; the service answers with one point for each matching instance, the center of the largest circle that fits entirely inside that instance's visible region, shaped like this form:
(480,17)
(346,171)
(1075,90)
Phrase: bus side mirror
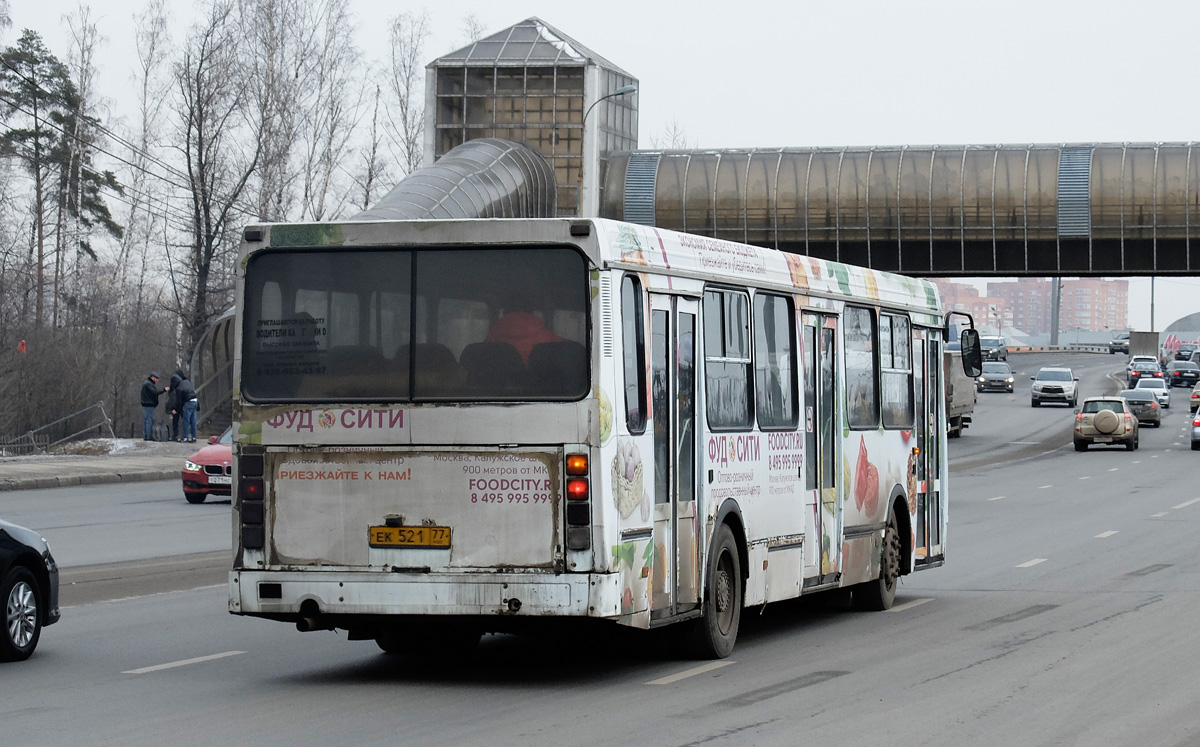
(972,356)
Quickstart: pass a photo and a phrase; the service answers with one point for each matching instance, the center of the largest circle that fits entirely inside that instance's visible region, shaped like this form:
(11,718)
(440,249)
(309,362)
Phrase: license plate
(421,536)
(1103,440)
(220,480)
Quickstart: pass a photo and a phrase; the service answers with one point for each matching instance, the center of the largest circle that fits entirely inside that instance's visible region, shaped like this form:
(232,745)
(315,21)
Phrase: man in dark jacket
(174,403)
(185,396)
(150,395)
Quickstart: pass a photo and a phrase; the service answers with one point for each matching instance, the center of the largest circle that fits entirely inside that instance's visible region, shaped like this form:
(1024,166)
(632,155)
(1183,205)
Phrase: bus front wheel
(880,593)
(713,635)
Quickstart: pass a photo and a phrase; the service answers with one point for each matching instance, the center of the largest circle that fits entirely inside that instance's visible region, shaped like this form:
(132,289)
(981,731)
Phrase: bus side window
(775,362)
(862,388)
(727,360)
(896,375)
(633,353)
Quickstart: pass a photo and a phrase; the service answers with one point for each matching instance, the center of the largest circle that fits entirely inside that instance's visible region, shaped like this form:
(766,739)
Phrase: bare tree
(221,144)
(473,28)
(278,67)
(373,170)
(149,176)
(332,114)
(407,35)
(81,207)
(673,137)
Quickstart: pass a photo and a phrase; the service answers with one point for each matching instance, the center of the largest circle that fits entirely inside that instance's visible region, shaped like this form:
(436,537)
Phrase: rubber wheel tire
(713,635)
(194,497)
(1195,445)
(1081,446)
(1035,403)
(879,594)
(22,616)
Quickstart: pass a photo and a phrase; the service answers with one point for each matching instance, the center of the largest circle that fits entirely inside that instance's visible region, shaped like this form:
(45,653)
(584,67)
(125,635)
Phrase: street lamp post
(585,197)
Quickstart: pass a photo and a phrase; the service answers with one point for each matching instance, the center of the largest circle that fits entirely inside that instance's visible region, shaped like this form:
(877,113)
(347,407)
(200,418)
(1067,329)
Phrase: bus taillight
(577,490)
(250,500)
(578,510)
(577,464)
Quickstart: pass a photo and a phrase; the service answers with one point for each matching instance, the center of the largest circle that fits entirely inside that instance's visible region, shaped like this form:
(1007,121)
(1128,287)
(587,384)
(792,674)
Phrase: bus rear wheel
(880,593)
(713,635)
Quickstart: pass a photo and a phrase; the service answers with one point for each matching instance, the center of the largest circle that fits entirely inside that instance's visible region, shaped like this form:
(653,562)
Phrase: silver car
(1160,389)
(1054,385)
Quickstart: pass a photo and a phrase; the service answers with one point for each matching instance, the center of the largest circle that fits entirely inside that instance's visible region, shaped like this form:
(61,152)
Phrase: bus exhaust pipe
(309,624)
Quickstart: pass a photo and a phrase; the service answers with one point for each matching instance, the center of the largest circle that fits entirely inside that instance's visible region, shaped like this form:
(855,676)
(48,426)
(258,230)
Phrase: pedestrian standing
(150,395)
(174,404)
(186,395)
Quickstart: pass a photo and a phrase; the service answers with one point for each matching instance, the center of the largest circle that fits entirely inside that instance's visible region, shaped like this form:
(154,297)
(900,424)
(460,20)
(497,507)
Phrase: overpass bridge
(974,210)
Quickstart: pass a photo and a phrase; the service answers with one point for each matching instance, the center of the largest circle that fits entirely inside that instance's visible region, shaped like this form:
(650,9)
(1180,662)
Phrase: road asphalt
(102,461)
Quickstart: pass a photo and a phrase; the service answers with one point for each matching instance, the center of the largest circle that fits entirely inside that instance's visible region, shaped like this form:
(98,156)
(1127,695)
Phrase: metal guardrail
(30,442)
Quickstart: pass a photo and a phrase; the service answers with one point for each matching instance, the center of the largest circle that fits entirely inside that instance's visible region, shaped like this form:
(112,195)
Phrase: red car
(210,470)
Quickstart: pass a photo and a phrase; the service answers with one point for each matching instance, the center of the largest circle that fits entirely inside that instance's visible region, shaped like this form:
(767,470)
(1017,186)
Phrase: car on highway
(1054,385)
(1144,370)
(210,470)
(1185,350)
(1144,405)
(1119,343)
(29,589)
(1196,432)
(1182,373)
(1160,389)
(1105,420)
(996,376)
(1194,400)
(1136,359)
(993,348)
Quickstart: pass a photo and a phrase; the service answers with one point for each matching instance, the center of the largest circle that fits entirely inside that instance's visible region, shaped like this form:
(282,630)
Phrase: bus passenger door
(928,430)
(675,578)
(822,483)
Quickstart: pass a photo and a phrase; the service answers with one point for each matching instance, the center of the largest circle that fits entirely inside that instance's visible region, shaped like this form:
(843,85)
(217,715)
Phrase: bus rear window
(387,325)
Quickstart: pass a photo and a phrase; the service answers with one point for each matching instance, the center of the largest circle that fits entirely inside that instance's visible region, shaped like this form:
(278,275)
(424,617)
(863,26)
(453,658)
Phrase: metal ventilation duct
(482,178)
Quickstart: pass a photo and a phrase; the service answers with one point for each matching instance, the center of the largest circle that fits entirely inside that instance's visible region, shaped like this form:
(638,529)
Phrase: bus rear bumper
(293,595)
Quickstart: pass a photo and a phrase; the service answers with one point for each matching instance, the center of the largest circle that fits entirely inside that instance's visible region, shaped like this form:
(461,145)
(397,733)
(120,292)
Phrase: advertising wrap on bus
(446,428)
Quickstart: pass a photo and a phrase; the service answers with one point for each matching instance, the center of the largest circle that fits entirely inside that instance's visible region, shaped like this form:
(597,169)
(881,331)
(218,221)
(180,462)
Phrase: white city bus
(446,428)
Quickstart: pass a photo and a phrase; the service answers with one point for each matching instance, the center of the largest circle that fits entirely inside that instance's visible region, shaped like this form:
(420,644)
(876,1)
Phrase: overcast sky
(836,72)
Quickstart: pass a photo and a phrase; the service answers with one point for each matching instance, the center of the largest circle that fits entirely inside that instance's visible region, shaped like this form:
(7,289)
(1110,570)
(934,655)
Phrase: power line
(248,209)
(75,110)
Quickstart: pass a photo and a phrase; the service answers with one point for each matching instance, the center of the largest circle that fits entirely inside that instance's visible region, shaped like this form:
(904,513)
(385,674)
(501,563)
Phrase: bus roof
(638,247)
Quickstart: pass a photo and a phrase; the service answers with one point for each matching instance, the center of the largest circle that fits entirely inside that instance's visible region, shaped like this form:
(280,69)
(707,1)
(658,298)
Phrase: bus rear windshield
(380,325)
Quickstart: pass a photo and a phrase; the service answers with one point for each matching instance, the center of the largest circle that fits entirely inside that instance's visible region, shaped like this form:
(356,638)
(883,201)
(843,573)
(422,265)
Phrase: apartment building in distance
(1026,304)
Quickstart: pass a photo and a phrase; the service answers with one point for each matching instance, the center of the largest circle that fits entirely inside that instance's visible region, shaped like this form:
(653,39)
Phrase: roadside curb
(96,478)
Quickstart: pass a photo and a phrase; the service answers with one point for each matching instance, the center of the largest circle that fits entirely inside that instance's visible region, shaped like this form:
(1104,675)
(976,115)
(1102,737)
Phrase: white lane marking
(1086,477)
(1043,487)
(910,605)
(1137,461)
(997,498)
(184,663)
(1160,513)
(1114,469)
(1027,443)
(690,672)
(1154,456)
(1187,503)
(1031,563)
(1109,533)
